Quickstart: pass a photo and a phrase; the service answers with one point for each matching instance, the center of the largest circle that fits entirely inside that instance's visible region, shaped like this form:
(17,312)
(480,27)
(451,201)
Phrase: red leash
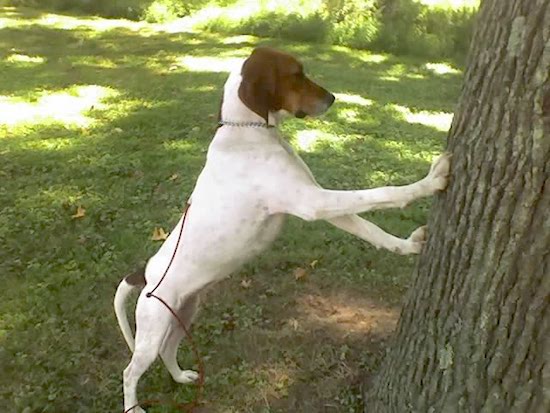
(184,407)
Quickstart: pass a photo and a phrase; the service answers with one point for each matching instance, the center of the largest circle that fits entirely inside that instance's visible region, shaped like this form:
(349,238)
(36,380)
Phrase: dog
(251,180)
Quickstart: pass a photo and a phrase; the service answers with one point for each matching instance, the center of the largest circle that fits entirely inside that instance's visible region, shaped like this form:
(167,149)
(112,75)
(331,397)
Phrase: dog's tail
(130,282)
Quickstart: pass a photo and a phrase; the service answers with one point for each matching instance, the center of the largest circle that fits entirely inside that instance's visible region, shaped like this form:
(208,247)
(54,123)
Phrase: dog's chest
(242,232)
(255,235)
(230,220)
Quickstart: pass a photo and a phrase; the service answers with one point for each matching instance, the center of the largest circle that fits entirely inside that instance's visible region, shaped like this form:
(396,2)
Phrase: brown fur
(137,278)
(273,80)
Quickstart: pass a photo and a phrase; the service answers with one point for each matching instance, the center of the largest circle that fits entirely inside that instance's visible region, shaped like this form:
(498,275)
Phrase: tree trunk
(474,331)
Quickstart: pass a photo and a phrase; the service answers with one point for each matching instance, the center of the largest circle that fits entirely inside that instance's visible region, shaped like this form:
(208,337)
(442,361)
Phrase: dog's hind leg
(152,326)
(169,349)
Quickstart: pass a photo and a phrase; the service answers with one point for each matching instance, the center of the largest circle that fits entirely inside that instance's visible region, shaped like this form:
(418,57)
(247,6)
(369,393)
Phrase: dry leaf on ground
(300,273)
(159,234)
(246,283)
(80,212)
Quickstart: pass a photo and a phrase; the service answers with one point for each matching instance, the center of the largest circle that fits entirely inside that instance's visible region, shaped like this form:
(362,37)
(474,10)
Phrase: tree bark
(474,331)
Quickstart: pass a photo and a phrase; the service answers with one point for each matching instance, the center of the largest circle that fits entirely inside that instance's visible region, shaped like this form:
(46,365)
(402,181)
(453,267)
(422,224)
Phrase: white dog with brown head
(252,179)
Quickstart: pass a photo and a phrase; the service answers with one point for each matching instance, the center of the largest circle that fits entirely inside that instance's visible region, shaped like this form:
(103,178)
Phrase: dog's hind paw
(187,376)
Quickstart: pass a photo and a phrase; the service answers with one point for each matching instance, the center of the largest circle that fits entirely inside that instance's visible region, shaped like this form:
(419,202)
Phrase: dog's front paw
(439,172)
(417,240)
(187,376)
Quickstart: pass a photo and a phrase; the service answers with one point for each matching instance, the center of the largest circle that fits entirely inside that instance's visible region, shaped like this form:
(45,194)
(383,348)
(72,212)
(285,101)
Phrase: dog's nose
(323,104)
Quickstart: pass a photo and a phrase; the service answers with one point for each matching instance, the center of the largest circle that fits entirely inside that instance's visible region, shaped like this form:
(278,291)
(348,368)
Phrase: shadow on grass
(133,167)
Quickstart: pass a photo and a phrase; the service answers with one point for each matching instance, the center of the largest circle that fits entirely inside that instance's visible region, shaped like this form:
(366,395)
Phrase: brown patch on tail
(137,278)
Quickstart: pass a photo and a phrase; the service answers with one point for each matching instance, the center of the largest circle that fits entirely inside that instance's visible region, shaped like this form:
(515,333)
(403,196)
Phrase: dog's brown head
(273,81)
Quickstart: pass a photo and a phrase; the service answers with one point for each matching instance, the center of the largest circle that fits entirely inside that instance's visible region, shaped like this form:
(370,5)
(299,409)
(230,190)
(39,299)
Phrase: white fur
(251,179)
(121,295)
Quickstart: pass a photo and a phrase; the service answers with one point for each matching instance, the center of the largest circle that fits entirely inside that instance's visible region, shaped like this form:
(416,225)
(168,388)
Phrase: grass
(115,117)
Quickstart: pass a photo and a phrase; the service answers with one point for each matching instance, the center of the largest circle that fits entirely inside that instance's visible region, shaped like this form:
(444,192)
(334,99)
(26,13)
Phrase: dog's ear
(258,89)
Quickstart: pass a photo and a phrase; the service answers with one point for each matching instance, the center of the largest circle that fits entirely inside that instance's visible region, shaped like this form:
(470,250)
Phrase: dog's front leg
(379,238)
(311,202)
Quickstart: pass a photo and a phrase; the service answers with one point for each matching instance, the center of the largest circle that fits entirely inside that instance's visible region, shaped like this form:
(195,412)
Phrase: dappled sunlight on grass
(208,64)
(96,24)
(372,58)
(307,138)
(68,107)
(442,68)
(363,55)
(70,22)
(183,25)
(52,144)
(244,38)
(353,99)
(395,71)
(348,114)
(371,128)
(25,59)
(404,151)
(415,76)
(438,120)
(398,72)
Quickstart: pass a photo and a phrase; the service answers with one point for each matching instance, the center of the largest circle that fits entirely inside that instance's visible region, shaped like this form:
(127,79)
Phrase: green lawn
(115,117)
